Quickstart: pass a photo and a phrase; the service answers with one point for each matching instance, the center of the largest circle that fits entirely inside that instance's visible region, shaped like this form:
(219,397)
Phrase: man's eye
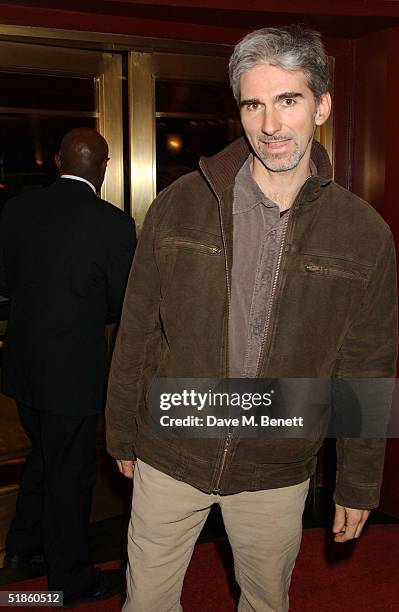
(289,101)
(253,106)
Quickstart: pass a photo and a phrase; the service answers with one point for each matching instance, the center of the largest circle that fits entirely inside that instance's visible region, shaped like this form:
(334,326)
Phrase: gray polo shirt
(257,234)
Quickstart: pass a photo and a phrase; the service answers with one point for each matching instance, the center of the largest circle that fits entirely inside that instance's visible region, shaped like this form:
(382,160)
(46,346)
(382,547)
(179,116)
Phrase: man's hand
(126,467)
(348,523)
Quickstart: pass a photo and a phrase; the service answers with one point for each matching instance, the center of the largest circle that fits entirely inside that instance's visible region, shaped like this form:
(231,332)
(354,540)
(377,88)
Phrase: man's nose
(271,121)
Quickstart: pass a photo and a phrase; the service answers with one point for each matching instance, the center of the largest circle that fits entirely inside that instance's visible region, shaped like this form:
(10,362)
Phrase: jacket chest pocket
(189,245)
(317,266)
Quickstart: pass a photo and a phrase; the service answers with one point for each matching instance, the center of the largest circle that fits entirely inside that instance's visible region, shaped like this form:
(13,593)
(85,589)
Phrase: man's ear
(58,161)
(323,109)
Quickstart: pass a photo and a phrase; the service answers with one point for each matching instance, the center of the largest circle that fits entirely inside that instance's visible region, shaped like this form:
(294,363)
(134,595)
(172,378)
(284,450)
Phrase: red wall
(390,211)
(368,161)
(375,166)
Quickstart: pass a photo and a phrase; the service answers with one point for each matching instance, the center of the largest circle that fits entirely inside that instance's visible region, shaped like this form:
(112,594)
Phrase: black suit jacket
(65,255)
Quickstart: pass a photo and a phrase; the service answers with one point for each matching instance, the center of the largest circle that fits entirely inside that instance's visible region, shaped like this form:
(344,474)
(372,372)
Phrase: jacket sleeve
(138,332)
(369,352)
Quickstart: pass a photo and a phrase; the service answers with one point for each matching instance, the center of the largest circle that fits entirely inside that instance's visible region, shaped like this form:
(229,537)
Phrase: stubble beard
(275,161)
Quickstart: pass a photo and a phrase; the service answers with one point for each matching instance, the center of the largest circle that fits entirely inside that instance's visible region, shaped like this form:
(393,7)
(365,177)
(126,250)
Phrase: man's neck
(281,187)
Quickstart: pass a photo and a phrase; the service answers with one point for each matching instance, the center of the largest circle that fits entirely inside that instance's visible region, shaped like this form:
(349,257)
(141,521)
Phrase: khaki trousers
(264,529)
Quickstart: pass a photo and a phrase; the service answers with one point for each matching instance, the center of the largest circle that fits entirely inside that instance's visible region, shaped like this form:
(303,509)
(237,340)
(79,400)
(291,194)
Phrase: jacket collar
(221,169)
(73,185)
(80,179)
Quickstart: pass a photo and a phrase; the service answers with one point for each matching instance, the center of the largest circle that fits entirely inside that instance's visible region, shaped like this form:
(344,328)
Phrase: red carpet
(363,577)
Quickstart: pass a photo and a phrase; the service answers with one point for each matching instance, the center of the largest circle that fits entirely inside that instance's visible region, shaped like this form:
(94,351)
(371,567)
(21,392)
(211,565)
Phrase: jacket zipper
(228,437)
(227,442)
(275,280)
(271,300)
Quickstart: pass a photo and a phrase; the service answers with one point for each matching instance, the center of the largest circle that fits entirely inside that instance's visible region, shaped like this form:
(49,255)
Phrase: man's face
(279,115)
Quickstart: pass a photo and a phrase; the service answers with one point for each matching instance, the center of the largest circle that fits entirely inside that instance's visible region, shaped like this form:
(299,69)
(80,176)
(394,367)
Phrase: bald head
(83,152)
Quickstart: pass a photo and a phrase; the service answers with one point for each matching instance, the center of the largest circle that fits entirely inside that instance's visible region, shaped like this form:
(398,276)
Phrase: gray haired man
(256,266)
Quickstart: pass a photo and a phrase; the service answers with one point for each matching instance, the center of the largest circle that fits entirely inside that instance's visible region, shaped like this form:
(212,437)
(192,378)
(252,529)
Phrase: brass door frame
(106,70)
(144,69)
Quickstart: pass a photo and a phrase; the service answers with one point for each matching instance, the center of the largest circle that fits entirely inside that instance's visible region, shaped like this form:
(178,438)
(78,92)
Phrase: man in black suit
(64,261)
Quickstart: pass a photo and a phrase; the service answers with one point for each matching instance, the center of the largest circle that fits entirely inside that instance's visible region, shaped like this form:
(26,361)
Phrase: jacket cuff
(120,449)
(353,496)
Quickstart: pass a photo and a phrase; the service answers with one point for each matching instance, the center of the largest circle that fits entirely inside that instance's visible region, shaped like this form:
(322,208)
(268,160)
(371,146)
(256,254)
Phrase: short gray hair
(291,47)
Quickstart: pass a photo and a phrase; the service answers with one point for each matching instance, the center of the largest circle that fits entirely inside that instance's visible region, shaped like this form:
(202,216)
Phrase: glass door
(180,108)
(45,92)
(191,119)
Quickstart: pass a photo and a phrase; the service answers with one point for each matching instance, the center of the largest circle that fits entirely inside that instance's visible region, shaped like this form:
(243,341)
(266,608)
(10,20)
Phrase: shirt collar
(247,193)
(79,178)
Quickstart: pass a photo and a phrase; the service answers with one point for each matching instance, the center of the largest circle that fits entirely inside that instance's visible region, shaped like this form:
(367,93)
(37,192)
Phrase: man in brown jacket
(257,266)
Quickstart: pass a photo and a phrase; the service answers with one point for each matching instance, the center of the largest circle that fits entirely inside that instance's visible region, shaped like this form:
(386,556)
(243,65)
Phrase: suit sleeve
(119,260)
(369,352)
(138,334)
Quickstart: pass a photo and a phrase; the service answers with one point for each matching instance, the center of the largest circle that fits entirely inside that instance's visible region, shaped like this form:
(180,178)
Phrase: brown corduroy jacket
(333,315)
